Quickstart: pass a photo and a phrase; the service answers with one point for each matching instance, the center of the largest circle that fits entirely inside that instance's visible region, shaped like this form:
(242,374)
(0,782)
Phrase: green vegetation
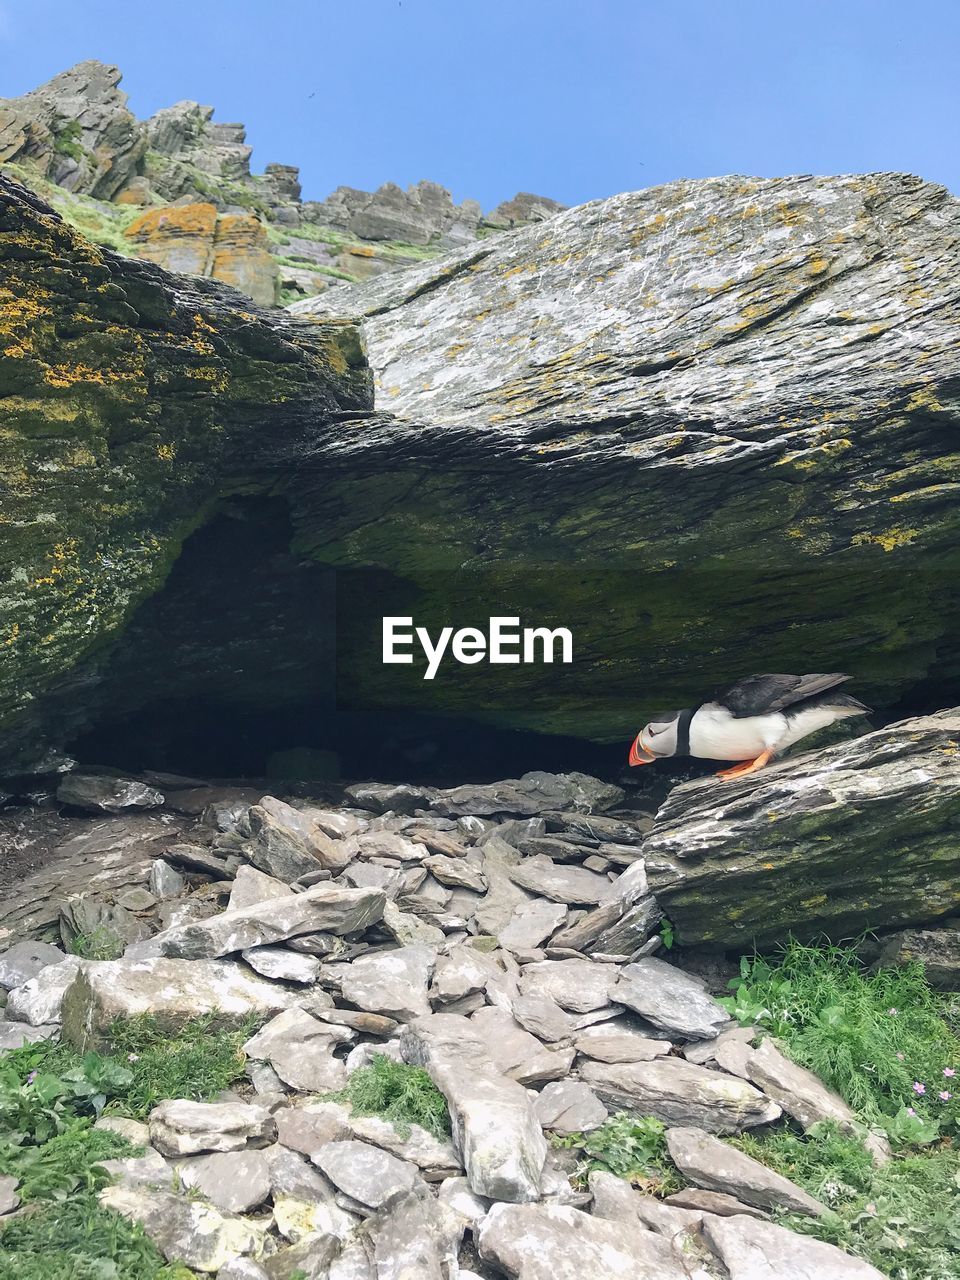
(99,944)
(47,1142)
(631,1147)
(880,1039)
(67,141)
(100,221)
(399,1093)
(147,1064)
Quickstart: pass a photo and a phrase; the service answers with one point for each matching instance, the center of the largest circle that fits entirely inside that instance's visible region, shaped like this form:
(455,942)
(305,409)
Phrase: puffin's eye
(652,731)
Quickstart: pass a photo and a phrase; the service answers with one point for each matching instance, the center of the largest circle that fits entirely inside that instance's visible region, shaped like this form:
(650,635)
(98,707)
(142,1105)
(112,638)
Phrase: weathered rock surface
(753,1250)
(300,1050)
(99,794)
(494,1128)
(235,1181)
(182,1128)
(368,1175)
(173,991)
(670,999)
(39,1000)
(857,835)
(393,983)
(680,1093)
(24,960)
(938,950)
(717,1166)
(185,1231)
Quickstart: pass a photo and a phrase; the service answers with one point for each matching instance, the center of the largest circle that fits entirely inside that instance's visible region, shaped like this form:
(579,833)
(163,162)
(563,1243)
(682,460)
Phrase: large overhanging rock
(133,401)
(858,835)
(667,421)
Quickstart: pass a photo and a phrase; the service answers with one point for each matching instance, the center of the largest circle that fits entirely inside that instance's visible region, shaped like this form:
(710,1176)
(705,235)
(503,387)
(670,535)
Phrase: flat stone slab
(516,1052)
(367,1174)
(755,1250)
(576,985)
(185,1231)
(300,1050)
(173,991)
(569,1106)
(560,882)
(670,999)
(39,1001)
(237,1181)
(557,1242)
(616,1042)
(680,1093)
(179,1127)
(495,1131)
(282,965)
(251,886)
(326,908)
(24,960)
(393,983)
(717,1166)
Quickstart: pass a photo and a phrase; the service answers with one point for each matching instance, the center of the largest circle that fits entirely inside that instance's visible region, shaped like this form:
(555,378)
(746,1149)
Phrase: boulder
(856,835)
(236,1181)
(938,950)
(670,999)
(569,1106)
(366,1174)
(300,1050)
(185,1231)
(680,1093)
(716,1166)
(325,908)
(557,1242)
(182,1128)
(754,1250)
(39,1000)
(495,1130)
(393,983)
(102,794)
(516,1052)
(251,886)
(171,991)
(577,985)
(25,960)
(282,965)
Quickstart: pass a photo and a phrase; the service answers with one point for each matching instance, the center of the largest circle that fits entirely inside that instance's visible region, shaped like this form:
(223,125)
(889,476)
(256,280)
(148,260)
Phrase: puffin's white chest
(717,735)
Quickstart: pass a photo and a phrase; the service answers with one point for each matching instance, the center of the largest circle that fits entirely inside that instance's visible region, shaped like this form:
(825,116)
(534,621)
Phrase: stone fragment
(755,1250)
(242,1269)
(306,1129)
(716,1166)
(938,950)
(391,982)
(494,1128)
(282,965)
(576,985)
(367,1174)
(544,1018)
(182,1128)
(300,1050)
(670,999)
(98,793)
(704,1051)
(172,991)
(530,795)
(458,873)
(14,1035)
(532,923)
(285,844)
(701,1201)
(149,1171)
(185,1231)
(461,973)
(408,929)
(557,1242)
(326,908)
(135,1131)
(798,1091)
(236,1181)
(251,887)
(680,1093)
(9,1200)
(24,960)
(39,1000)
(569,1106)
(516,1052)
(560,882)
(617,1041)
(435,1157)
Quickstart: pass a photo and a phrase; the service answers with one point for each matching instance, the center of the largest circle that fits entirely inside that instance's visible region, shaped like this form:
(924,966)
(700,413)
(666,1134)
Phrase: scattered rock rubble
(438,928)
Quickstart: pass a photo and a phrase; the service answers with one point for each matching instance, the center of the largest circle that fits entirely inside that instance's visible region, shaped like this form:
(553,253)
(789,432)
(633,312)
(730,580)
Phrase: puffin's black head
(656,739)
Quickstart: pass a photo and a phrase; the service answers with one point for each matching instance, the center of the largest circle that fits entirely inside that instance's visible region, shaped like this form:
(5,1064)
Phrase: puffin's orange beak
(639,753)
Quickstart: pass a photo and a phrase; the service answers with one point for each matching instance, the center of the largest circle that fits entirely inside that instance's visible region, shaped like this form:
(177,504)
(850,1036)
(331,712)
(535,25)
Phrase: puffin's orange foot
(748,766)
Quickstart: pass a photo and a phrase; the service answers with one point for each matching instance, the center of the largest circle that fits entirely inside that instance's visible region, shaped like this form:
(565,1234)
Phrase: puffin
(751,721)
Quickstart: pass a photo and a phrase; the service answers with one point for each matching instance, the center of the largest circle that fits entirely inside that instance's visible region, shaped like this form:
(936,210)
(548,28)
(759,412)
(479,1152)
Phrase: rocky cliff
(76,135)
(706,427)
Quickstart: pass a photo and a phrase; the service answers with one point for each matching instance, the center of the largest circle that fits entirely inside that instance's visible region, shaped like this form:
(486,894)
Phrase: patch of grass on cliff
(147,1064)
(881,1039)
(402,1094)
(903,1218)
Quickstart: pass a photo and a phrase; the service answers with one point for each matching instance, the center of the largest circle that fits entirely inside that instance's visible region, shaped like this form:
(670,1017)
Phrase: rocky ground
(502,937)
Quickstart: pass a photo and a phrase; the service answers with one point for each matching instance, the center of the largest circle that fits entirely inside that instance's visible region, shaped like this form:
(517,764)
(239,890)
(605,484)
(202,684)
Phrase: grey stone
(569,1107)
(306,1129)
(531,923)
(458,873)
(716,1166)
(251,887)
(560,882)
(577,985)
(236,1181)
(680,1093)
(704,1051)
(325,908)
(670,999)
(172,991)
(528,796)
(754,1250)
(455,1194)
(381,797)
(516,1052)
(408,929)
(282,964)
(702,1201)
(149,1171)
(391,982)
(368,875)
(9,1200)
(137,899)
(242,1269)
(185,1231)
(286,844)
(182,1128)
(101,794)
(300,1050)
(24,960)
(39,1000)
(938,950)
(365,1173)
(495,1130)
(135,1131)
(418,1237)
(557,1242)
(435,1157)
(14,1035)
(166,881)
(616,1201)
(617,1041)
(461,973)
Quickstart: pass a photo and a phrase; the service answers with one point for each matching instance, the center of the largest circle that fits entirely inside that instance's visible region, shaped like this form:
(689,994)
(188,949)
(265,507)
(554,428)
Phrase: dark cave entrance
(230,672)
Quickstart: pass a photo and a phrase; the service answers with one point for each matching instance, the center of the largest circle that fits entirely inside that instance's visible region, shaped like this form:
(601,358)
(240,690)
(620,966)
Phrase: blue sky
(573,100)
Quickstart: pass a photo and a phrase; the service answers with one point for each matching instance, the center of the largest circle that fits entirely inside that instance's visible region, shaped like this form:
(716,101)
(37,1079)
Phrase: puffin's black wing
(758,695)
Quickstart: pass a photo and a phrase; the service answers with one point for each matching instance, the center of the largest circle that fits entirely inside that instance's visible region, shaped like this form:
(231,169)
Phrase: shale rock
(99,794)
(185,1231)
(670,999)
(938,950)
(235,1181)
(392,982)
(715,1165)
(25,960)
(856,835)
(752,1250)
(371,1177)
(182,1128)
(39,1000)
(300,1050)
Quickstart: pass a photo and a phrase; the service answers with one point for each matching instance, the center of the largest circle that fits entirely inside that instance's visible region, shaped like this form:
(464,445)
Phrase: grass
(402,1094)
(148,1064)
(632,1147)
(98,944)
(880,1039)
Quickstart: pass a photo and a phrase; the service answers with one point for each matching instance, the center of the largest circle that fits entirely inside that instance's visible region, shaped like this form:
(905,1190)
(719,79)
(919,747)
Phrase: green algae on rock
(133,401)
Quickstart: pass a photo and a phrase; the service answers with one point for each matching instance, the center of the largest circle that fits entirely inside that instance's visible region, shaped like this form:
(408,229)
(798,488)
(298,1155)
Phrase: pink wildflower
(918,1087)
(944,1096)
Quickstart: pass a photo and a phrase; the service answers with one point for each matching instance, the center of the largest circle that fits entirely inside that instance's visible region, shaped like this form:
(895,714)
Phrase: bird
(751,721)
